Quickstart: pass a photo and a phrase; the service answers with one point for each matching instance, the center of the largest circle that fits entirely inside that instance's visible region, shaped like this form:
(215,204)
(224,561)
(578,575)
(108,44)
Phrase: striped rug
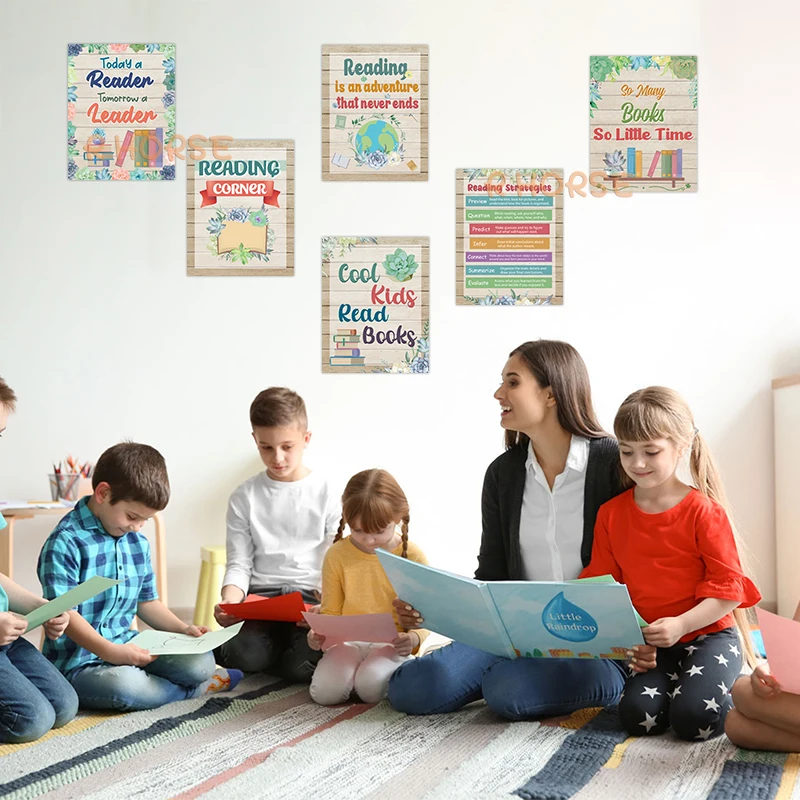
(267,740)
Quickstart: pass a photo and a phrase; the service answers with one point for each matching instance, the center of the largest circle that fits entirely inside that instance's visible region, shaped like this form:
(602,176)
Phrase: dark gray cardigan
(501,504)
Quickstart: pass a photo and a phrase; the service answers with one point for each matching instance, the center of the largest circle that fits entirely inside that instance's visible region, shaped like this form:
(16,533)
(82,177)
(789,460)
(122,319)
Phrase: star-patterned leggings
(689,690)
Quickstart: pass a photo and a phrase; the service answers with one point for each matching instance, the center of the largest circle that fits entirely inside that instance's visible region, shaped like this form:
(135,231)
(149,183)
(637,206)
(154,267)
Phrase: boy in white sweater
(280,524)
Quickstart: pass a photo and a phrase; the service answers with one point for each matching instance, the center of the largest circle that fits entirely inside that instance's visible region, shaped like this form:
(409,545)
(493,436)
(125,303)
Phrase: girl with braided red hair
(375,509)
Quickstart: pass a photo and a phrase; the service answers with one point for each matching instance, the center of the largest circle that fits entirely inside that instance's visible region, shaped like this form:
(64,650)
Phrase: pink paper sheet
(782,643)
(353,628)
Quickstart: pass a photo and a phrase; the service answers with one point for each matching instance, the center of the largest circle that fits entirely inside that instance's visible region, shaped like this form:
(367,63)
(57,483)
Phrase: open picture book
(590,618)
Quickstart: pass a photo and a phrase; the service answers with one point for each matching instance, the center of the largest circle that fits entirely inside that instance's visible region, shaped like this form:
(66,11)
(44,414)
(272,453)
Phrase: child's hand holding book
(124,655)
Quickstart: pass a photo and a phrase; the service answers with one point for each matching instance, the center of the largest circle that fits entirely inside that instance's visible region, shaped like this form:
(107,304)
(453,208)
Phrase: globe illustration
(376,135)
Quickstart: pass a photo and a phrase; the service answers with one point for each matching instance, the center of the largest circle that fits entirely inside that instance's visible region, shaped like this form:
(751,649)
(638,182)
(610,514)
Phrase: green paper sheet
(164,643)
(74,597)
(610,579)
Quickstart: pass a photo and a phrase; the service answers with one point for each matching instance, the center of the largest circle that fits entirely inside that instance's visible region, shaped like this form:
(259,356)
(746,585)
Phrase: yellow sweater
(353,582)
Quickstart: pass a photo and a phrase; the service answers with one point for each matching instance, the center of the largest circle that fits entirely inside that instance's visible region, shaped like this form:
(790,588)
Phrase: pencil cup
(69,486)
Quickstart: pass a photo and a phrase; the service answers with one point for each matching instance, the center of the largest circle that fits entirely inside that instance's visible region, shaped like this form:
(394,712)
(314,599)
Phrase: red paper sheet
(283,608)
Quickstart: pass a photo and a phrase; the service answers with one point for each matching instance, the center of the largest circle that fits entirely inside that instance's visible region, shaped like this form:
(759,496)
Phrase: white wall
(104,337)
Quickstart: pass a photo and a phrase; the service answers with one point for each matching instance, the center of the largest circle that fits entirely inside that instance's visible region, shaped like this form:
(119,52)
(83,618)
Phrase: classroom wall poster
(375,113)
(509,237)
(240,208)
(120,112)
(643,122)
(375,304)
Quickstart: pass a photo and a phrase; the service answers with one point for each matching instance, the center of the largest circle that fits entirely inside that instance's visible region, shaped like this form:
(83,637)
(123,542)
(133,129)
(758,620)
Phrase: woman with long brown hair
(539,503)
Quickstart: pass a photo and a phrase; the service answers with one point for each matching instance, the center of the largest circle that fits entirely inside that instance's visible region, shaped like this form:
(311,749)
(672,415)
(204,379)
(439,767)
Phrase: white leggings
(360,666)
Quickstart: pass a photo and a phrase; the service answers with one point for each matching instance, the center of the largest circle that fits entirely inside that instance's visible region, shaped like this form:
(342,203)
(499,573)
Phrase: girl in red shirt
(675,548)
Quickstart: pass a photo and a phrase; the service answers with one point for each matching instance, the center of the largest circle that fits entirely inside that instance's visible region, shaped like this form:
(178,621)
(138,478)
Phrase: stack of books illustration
(668,162)
(145,146)
(346,352)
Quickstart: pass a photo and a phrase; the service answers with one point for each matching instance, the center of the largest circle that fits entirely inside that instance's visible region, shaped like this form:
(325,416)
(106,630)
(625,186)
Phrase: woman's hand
(408,615)
(763,684)
(643,657)
(315,640)
(56,626)
(665,632)
(406,643)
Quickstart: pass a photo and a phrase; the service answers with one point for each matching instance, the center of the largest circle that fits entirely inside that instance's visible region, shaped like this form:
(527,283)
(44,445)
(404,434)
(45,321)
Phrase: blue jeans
(34,695)
(128,688)
(525,688)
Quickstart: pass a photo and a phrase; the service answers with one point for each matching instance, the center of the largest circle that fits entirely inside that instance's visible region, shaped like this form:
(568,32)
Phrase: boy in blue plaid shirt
(100,536)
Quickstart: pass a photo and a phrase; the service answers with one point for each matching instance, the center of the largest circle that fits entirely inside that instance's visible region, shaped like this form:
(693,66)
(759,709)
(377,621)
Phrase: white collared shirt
(551,522)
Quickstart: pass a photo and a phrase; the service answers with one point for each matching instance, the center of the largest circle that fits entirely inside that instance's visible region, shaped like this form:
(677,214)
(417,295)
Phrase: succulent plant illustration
(615,162)
(400,266)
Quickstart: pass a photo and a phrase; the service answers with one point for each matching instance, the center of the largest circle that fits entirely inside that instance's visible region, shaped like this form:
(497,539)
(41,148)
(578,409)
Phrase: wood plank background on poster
(120,112)
(643,122)
(375,113)
(509,236)
(240,209)
(375,304)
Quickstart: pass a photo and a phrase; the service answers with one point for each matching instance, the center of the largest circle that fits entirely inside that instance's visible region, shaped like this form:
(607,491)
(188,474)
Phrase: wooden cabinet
(786,403)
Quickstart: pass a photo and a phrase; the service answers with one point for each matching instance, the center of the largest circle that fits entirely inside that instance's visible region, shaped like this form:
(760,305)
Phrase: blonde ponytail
(707,479)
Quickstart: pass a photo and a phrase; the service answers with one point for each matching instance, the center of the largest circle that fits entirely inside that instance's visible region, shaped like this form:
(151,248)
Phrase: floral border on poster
(76,173)
(608,68)
(417,360)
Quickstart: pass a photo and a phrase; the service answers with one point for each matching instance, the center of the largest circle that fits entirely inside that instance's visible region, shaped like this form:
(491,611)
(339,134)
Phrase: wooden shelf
(614,179)
(789,380)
